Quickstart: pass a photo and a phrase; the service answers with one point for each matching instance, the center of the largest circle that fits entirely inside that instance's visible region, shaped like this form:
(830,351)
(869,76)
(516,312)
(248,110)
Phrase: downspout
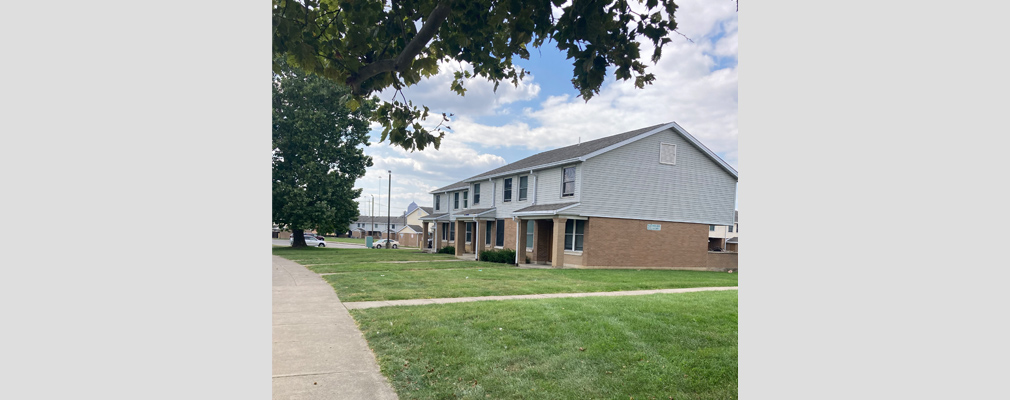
(517,239)
(534,202)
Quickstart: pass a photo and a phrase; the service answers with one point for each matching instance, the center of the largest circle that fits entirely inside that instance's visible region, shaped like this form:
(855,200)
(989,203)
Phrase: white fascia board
(632,140)
(680,131)
(530,169)
(546,212)
(690,138)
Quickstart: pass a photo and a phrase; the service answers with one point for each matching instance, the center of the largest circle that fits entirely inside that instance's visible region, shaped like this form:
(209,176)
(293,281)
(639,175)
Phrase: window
(731,229)
(668,154)
(523,182)
(568,182)
(711,228)
(455,201)
(574,231)
(394,226)
(438,199)
(469,231)
(452,231)
(445,231)
(529,234)
(499,236)
(476,193)
(487,232)
(465,194)
(508,189)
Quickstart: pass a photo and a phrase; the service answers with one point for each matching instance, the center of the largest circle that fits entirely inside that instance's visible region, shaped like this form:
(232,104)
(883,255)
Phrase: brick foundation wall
(722,261)
(625,243)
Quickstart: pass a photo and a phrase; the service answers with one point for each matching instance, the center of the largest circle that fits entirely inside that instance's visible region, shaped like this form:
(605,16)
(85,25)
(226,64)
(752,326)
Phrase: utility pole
(389,200)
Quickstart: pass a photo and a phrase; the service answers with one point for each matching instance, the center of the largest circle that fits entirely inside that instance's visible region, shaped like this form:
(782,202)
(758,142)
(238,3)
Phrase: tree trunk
(299,235)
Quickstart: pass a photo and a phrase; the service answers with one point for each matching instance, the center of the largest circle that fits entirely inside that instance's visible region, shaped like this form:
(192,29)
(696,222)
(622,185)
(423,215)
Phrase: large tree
(371,45)
(317,153)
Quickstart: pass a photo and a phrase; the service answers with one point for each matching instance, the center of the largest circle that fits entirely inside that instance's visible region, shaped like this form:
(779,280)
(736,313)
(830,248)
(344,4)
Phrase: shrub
(505,256)
(447,250)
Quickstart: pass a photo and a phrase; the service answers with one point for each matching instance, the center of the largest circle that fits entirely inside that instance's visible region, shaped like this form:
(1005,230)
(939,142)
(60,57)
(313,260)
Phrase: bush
(505,256)
(447,250)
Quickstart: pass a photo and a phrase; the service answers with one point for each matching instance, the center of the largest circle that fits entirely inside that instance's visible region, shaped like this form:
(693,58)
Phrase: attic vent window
(668,154)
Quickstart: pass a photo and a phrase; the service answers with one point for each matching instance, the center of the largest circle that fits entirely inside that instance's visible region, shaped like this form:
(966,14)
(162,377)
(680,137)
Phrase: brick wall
(722,261)
(625,243)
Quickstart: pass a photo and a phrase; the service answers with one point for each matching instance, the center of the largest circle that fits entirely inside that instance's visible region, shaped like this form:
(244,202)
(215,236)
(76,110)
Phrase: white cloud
(481,98)
(686,90)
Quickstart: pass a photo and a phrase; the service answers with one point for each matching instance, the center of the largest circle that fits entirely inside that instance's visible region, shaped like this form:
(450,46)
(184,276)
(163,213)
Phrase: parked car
(381,244)
(310,240)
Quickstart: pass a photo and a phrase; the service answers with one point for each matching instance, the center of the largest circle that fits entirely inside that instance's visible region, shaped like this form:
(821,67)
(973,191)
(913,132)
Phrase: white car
(381,244)
(310,240)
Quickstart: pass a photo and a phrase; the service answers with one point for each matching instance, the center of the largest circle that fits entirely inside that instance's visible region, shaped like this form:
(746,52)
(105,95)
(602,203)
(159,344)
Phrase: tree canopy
(316,152)
(372,45)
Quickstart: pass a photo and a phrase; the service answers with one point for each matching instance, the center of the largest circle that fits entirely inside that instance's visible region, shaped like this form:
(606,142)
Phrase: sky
(695,86)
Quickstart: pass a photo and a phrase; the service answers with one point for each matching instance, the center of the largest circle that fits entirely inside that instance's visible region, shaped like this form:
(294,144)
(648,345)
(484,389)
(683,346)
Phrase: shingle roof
(550,156)
(432,217)
(566,153)
(474,211)
(545,207)
(426,209)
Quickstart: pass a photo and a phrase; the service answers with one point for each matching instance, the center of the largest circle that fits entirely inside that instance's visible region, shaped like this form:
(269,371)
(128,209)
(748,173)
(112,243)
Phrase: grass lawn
(681,346)
(489,279)
(315,255)
(391,266)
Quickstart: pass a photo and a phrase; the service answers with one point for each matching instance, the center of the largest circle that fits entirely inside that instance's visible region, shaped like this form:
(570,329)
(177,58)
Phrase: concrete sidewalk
(417,302)
(318,351)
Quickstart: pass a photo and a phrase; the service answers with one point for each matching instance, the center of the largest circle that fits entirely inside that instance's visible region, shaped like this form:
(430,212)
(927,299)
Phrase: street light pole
(372,228)
(389,200)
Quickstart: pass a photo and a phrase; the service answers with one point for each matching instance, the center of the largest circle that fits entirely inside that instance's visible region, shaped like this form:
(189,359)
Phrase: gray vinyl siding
(549,185)
(629,182)
(503,209)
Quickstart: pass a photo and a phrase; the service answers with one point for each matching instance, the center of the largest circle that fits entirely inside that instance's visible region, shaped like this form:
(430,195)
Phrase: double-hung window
(437,202)
(452,231)
(711,228)
(523,183)
(487,233)
(445,231)
(731,229)
(574,232)
(476,193)
(508,189)
(568,182)
(455,200)
(465,195)
(499,236)
(469,232)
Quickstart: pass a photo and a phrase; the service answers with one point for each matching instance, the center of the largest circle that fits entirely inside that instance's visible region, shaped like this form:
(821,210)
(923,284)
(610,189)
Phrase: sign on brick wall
(652,227)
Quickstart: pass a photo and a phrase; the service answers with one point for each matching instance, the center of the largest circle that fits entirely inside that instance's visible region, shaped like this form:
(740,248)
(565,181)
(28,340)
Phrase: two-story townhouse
(411,233)
(639,199)
(376,226)
(725,237)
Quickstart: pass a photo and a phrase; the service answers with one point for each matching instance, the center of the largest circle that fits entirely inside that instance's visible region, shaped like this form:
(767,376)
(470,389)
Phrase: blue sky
(696,86)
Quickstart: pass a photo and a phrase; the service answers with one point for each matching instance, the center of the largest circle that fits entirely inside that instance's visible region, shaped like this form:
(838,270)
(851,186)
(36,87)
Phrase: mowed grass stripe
(360,267)
(482,281)
(656,346)
(315,255)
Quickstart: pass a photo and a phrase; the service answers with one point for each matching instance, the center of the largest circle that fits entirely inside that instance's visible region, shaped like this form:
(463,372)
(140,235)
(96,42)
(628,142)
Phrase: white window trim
(661,144)
(574,183)
(573,252)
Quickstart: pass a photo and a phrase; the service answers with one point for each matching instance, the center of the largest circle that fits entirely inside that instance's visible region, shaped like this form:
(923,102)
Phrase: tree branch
(418,43)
